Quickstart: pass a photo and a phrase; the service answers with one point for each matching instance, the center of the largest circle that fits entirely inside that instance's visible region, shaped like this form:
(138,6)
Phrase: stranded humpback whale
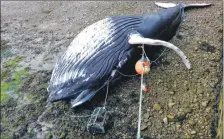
(103,48)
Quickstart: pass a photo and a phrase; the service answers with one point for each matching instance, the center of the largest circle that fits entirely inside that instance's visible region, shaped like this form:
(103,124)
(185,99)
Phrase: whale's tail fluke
(169,5)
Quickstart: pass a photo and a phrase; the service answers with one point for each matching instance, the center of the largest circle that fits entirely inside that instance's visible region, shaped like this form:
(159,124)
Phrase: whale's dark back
(161,25)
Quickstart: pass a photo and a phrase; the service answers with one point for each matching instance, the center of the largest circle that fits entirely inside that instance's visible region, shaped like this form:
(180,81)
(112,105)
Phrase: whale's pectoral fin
(136,38)
(169,5)
(165,5)
(89,93)
(82,97)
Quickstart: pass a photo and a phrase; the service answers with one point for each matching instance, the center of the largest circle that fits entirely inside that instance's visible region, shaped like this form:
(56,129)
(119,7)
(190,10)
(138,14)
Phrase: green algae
(4,88)
(49,136)
(15,77)
(30,97)
(13,63)
(6,136)
(12,85)
(220,122)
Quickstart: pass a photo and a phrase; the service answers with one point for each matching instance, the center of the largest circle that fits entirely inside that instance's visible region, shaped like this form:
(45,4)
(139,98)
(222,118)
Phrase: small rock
(208,95)
(191,122)
(193,132)
(156,107)
(196,48)
(146,116)
(171,93)
(176,65)
(187,110)
(208,109)
(205,103)
(171,104)
(195,100)
(178,125)
(187,136)
(159,81)
(170,116)
(39,40)
(143,127)
(160,111)
(165,120)
(146,120)
(180,35)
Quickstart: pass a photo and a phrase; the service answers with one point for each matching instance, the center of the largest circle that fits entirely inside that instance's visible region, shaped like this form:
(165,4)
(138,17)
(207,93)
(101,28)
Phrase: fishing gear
(98,120)
(142,67)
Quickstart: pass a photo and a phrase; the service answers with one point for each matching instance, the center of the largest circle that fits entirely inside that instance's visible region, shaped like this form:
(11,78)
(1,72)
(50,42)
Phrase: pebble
(146,116)
(193,132)
(170,116)
(165,120)
(187,136)
(196,48)
(205,103)
(146,120)
(159,81)
(208,109)
(180,35)
(143,127)
(191,122)
(171,104)
(178,125)
(187,110)
(156,107)
(39,40)
(176,65)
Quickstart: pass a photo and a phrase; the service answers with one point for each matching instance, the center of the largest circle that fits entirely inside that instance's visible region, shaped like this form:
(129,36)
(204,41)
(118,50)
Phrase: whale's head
(162,24)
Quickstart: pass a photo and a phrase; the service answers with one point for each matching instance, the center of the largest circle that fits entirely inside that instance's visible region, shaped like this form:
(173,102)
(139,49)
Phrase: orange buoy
(142,66)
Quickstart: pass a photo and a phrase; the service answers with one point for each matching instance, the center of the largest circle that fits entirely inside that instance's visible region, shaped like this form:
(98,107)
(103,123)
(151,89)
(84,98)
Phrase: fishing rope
(154,61)
(106,95)
(159,55)
(126,74)
(140,100)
